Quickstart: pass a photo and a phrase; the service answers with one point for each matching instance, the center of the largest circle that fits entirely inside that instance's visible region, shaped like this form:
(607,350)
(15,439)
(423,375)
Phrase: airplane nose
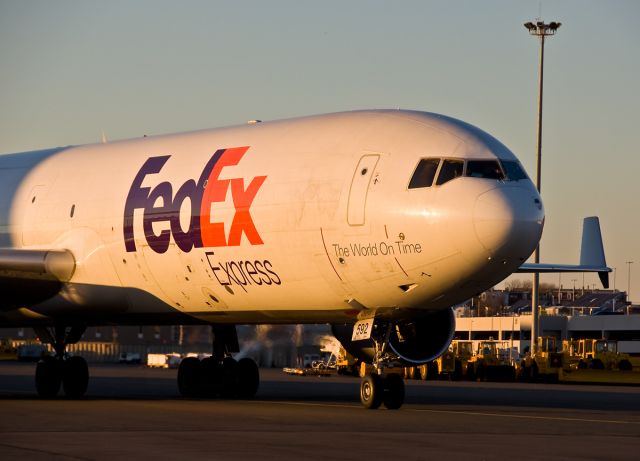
(508,221)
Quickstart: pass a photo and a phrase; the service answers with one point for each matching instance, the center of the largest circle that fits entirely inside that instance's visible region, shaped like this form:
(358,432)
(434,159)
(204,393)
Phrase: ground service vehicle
(489,364)
(31,352)
(446,366)
(599,354)
(347,364)
(546,362)
(463,351)
(7,350)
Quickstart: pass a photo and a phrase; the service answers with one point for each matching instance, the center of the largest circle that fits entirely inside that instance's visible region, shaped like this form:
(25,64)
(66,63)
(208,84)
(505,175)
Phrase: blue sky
(71,69)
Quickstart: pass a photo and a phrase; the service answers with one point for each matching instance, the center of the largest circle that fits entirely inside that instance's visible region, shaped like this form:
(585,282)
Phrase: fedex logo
(160,205)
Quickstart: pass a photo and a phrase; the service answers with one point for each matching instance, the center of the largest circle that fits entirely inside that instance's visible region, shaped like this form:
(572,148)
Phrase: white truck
(163,360)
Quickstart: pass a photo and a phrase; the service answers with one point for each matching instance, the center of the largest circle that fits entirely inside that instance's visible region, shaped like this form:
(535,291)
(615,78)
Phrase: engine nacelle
(414,341)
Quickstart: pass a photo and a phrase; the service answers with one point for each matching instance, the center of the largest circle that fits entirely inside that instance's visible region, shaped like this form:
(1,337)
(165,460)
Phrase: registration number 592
(362,330)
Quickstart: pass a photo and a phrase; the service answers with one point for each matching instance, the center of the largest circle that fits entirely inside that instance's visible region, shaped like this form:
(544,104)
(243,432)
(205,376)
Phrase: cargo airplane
(375,222)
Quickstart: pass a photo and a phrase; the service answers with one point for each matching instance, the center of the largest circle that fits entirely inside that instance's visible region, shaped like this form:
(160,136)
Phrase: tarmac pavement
(131,412)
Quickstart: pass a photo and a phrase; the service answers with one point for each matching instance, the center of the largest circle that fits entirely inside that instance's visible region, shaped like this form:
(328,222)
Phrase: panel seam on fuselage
(329,257)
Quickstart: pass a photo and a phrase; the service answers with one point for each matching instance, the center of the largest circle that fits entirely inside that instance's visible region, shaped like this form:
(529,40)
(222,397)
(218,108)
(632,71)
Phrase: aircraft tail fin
(592,257)
(592,249)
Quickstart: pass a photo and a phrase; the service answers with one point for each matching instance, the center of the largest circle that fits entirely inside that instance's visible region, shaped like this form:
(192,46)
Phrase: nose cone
(508,221)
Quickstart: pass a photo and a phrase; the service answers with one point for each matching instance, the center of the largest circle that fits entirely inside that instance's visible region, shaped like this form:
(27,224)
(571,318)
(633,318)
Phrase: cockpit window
(489,169)
(424,174)
(451,169)
(513,170)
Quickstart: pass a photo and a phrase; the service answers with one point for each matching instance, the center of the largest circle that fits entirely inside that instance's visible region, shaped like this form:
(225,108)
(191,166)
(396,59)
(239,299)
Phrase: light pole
(540,30)
(629,281)
(559,287)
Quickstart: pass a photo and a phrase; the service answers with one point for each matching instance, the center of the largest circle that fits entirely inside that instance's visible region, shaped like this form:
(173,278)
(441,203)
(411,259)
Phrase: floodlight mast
(539,29)
(629,281)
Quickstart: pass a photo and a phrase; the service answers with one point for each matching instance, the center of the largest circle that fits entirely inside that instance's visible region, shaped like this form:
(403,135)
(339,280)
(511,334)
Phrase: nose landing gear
(378,386)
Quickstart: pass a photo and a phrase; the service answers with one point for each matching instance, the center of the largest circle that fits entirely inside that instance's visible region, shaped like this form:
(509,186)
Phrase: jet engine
(413,340)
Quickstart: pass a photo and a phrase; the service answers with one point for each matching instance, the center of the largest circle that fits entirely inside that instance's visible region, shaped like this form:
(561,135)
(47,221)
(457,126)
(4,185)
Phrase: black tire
(471,372)
(48,377)
(355,369)
(625,365)
(525,373)
(189,377)
(75,377)
(371,391)
(597,364)
(393,396)
(209,381)
(432,371)
(247,378)
(481,373)
(534,372)
(228,378)
(501,373)
(493,374)
(457,371)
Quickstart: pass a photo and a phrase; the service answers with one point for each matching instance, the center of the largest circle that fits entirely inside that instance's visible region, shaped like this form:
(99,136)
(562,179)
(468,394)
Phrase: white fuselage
(302,220)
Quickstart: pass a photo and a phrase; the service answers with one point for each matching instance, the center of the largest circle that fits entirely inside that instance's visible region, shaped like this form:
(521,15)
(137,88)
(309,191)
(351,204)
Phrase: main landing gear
(53,371)
(219,375)
(379,387)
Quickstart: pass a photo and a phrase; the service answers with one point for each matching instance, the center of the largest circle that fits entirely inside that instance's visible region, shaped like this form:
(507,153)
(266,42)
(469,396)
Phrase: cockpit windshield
(489,169)
(425,172)
(438,171)
(513,170)
(451,169)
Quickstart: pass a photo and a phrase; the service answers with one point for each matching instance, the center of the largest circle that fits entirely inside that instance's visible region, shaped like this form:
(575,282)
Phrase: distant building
(600,302)
(516,330)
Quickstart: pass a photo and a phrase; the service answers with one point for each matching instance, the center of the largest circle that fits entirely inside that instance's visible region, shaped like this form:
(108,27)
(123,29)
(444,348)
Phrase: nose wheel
(371,391)
(376,390)
(377,387)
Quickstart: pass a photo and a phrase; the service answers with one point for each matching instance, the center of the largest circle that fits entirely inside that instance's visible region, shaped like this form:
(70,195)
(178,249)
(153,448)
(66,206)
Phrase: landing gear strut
(219,375)
(379,387)
(70,372)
